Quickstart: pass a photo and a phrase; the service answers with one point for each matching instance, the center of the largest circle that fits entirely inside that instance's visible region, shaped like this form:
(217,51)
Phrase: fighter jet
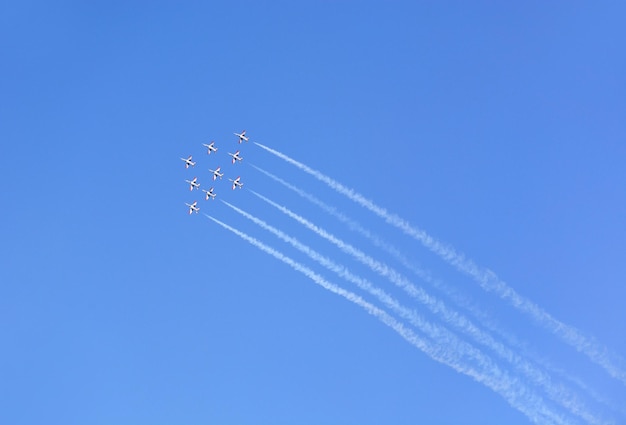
(188,162)
(210,147)
(193,184)
(193,207)
(237,183)
(236,156)
(216,173)
(242,136)
(209,193)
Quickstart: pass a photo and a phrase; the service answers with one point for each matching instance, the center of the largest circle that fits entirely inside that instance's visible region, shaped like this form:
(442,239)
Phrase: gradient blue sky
(497,127)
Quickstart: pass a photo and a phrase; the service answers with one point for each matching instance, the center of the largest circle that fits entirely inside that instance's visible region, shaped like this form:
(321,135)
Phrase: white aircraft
(237,183)
(193,207)
(242,136)
(209,194)
(188,162)
(236,156)
(193,183)
(216,173)
(210,147)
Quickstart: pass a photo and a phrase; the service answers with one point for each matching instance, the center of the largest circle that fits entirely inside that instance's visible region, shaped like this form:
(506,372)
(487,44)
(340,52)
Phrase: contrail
(353,225)
(486,278)
(425,275)
(366,233)
(556,392)
(342,271)
(516,394)
(395,253)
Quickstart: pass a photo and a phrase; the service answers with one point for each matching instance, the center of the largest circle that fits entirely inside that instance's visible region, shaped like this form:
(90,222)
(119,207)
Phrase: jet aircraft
(209,193)
(210,147)
(188,162)
(242,136)
(237,183)
(193,183)
(216,173)
(236,156)
(193,207)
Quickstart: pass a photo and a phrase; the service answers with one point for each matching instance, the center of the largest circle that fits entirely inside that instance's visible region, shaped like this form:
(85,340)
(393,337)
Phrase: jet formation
(211,148)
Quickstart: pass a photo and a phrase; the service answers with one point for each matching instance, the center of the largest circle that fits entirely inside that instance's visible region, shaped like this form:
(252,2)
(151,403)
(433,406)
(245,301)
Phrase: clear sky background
(498,128)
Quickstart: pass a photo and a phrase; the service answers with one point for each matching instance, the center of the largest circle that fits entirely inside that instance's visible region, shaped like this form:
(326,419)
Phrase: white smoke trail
(487,279)
(556,392)
(395,253)
(353,225)
(513,391)
(343,272)
(447,290)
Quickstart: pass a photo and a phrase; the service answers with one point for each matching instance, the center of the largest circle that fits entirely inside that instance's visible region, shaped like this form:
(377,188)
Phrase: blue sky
(496,128)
